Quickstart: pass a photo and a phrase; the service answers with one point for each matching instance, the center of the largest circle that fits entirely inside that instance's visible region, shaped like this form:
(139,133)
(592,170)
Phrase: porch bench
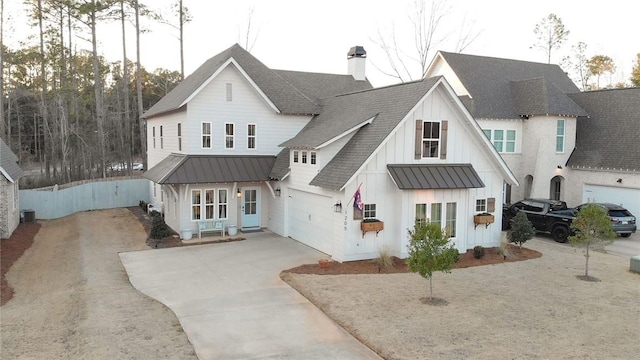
(210,226)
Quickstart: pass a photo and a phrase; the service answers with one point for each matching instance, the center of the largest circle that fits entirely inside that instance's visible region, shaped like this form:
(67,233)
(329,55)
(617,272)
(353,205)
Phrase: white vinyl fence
(53,203)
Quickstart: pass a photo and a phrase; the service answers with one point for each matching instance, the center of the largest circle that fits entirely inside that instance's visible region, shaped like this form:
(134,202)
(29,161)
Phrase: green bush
(159,229)
(521,229)
(478,252)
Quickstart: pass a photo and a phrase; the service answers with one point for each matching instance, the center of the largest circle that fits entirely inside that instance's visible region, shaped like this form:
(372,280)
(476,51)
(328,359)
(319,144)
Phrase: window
(481,205)
(196,205)
(421,214)
(430,139)
(304,157)
(313,157)
(251,136)
(503,140)
(450,224)
(179,137)
(206,135)
(209,204)
(153,135)
(295,156)
(229,91)
(161,139)
(436,213)
(222,203)
(369,211)
(228,135)
(560,136)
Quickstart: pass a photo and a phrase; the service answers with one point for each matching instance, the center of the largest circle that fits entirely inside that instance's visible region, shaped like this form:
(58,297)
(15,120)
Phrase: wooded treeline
(71,111)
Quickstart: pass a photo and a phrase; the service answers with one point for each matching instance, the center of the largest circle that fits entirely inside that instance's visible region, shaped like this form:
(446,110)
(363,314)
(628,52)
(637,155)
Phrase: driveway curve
(232,304)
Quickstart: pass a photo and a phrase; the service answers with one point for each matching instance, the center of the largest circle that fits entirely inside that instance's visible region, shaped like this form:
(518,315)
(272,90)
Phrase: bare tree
(3,131)
(249,38)
(125,89)
(141,124)
(577,63)
(426,20)
(550,33)
(635,72)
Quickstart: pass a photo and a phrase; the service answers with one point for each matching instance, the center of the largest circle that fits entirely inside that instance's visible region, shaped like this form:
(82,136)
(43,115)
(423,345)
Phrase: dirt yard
(534,309)
(72,298)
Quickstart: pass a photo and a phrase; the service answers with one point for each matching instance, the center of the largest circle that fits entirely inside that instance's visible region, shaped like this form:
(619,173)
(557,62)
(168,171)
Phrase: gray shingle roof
(489,81)
(388,104)
(430,176)
(281,166)
(610,137)
(198,169)
(9,163)
(291,92)
(540,97)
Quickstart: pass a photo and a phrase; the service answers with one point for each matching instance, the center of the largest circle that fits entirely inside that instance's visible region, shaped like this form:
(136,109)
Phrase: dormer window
(295,156)
(431,139)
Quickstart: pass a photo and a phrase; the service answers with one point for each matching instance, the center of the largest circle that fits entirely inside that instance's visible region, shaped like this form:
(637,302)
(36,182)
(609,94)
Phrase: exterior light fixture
(337,207)
(239,194)
(619,181)
(559,167)
(277,191)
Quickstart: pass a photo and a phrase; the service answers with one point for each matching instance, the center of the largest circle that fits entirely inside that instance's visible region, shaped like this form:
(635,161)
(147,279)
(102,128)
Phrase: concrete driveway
(232,304)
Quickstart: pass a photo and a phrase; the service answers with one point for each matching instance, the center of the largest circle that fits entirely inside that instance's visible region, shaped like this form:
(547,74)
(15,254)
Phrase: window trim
(303,159)
(199,205)
(296,157)
(481,205)
(161,138)
(203,135)
(153,135)
(369,211)
(313,157)
(505,141)
(425,140)
(253,136)
(229,137)
(561,137)
(209,204)
(179,136)
(220,204)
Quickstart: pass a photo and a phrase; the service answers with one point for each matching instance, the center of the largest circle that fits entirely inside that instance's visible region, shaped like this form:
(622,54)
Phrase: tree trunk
(43,93)
(97,80)
(431,288)
(181,42)
(586,267)
(3,131)
(141,123)
(127,128)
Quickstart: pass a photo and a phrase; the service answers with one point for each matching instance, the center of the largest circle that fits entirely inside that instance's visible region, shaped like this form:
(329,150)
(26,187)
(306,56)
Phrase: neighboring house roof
(496,86)
(430,176)
(291,92)
(199,169)
(608,139)
(9,163)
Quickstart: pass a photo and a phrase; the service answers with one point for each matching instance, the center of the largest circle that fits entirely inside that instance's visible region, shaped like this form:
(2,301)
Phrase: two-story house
(10,173)
(287,151)
(559,142)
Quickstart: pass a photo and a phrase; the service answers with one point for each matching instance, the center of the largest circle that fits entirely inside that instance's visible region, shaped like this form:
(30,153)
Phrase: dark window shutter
(491,204)
(418,147)
(443,139)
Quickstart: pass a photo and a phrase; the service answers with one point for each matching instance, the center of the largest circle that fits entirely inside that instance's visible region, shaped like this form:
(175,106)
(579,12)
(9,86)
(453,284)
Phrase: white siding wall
(397,208)
(246,107)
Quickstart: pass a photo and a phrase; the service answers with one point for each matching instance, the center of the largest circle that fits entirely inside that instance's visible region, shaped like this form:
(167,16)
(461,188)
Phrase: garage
(310,217)
(626,197)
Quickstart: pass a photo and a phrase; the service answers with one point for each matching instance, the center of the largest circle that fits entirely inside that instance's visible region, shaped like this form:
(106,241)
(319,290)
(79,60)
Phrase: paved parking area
(232,304)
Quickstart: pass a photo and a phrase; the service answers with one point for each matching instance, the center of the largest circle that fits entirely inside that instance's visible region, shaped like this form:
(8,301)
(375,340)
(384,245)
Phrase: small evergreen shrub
(478,251)
(159,229)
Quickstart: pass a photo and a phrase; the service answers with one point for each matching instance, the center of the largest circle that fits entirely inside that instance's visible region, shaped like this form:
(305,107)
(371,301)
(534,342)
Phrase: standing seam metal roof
(430,176)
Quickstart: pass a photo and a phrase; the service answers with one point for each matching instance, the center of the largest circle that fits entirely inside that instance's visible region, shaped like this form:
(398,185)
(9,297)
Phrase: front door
(250,207)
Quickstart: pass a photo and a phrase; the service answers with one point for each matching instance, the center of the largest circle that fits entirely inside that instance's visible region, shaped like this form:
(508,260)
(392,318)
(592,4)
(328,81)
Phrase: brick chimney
(357,59)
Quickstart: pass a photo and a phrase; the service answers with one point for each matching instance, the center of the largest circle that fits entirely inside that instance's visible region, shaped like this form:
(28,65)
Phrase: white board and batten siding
(245,107)
(396,208)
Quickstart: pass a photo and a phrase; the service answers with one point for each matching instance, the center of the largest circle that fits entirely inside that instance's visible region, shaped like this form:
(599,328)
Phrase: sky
(315,36)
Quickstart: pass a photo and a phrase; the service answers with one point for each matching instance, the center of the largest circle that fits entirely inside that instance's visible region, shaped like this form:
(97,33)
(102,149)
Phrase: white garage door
(626,197)
(310,218)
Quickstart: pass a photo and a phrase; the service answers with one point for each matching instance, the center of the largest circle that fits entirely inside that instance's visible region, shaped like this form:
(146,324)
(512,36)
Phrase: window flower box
(483,219)
(367,225)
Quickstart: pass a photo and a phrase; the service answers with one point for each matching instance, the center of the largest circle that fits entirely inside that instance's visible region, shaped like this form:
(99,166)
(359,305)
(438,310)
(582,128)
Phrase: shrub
(521,229)
(159,229)
(143,205)
(478,252)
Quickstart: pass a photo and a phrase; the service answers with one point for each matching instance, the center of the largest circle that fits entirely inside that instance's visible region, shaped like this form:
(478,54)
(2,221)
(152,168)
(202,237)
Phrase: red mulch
(10,250)
(399,266)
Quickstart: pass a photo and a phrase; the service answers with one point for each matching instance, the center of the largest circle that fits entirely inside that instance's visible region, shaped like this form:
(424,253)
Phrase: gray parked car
(623,222)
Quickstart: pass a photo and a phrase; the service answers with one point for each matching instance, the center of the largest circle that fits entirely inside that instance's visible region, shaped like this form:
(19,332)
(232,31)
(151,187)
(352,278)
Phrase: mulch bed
(10,250)
(492,256)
